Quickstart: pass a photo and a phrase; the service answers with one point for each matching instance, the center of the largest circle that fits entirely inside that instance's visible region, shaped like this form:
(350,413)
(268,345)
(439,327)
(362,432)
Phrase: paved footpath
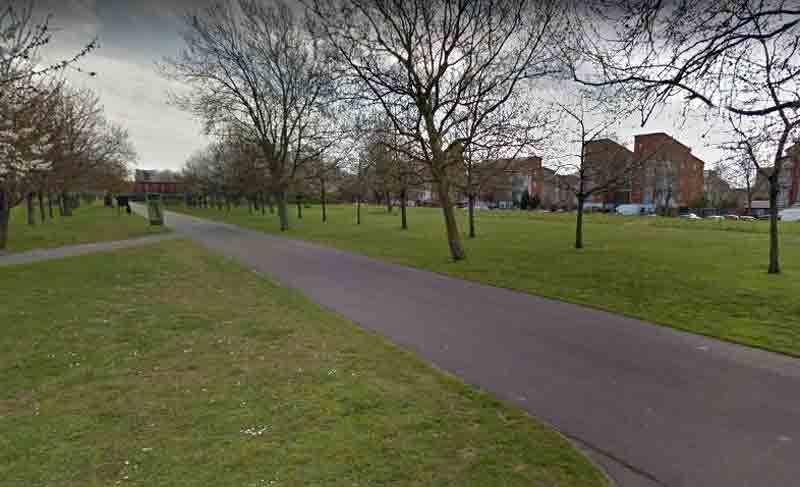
(653,406)
(82,249)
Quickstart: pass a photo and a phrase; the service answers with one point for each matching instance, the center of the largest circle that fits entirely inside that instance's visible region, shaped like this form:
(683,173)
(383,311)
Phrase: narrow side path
(652,405)
(82,249)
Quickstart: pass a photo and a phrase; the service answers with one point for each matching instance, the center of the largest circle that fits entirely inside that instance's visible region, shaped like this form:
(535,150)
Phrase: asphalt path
(651,405)
(38,255)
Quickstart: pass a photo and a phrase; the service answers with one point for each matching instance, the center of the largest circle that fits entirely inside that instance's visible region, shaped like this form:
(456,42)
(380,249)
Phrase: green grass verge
(89,223)
(166,365)
(695,276)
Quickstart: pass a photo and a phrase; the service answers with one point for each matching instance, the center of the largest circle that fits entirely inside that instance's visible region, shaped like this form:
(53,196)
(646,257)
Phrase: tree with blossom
(27,93)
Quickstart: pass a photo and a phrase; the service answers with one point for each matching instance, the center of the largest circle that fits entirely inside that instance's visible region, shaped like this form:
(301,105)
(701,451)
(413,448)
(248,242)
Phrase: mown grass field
(166,365)
(89,223)
(700,276)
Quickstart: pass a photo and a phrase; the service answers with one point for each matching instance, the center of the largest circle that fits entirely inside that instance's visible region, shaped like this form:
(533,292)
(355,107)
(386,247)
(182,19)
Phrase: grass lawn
(165,365)
(89,223)
(704,277)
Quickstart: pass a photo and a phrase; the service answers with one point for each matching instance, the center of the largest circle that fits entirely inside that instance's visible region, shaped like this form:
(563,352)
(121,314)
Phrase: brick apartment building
(149,181)
(660,173)
(608,163)
(788,180)
(667,174)
(510,179)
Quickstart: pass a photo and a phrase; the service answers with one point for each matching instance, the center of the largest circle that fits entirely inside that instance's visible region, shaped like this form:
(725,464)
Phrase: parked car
(790,214)
(747,218)
(732,217)
(715,217)
(765,216)
(691,216)
(630,210)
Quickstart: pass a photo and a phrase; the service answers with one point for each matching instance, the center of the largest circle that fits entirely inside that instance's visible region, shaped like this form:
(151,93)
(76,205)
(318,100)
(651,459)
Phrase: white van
(629,210)
(790,214)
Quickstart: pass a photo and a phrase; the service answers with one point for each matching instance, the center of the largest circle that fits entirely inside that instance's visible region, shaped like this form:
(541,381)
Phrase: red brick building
(508,180)
(607,164)
(164,182)
(667,174)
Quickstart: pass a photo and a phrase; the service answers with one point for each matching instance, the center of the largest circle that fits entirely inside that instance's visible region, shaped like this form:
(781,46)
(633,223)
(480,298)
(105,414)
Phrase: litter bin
(154,212)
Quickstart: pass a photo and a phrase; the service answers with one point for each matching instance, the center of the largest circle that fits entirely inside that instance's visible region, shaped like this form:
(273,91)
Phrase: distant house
(555,190)
(153,181)
(718,191)
(502,182)
(505,181)
(788,180)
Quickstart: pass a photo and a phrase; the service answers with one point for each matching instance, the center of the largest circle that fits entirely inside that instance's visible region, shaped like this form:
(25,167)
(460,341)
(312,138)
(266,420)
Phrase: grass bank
(166,365)
(89,223)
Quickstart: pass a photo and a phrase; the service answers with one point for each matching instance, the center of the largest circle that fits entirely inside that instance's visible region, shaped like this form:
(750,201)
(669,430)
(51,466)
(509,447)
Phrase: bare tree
(343,155)
(755,145)
(252,64)
(84,141)
(498,140)
(600,164)
(736,60)
(361,167)
(739,167)
(416,60)
(393,172)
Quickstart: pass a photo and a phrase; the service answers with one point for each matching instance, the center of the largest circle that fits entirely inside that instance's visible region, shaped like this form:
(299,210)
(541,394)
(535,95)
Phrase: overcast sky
(135,34)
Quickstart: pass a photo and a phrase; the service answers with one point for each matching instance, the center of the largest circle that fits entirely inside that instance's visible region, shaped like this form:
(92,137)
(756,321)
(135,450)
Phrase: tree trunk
(388,202)
(29,207)
(471,211)
(66,204)
(50,204)
(322,200)
(250,206)
(774,250)
(5,216)
(579,224)
(283,212)
(262,203)
(453,237)
(403,221)
(42,212)
(299,210)
(358,211)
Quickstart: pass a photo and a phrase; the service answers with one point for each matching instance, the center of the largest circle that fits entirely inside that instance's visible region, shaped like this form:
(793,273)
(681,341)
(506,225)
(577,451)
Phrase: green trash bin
(154,211)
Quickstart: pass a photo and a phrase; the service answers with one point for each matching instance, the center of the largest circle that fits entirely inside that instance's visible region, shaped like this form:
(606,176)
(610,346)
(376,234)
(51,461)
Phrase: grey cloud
(135,34)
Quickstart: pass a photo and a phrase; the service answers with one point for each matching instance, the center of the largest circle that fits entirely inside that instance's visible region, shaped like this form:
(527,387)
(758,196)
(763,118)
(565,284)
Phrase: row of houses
(659,172)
